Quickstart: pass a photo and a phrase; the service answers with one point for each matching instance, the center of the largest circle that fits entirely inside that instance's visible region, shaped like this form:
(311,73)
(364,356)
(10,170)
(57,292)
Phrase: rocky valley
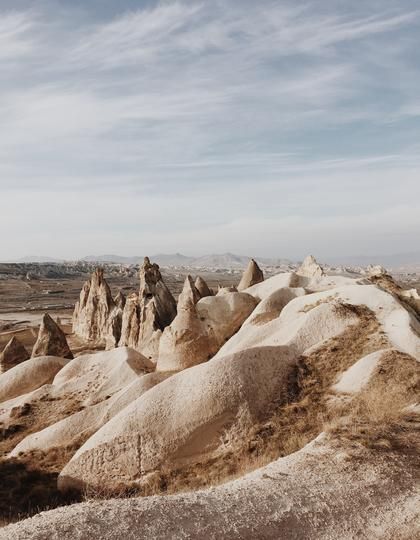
(249,401)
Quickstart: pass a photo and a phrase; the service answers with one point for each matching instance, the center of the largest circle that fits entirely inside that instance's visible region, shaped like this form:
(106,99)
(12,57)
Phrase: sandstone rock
(252,275)
(13,354)
(310,268)
(29,375)
(130,322)
(200,329)
(376,270)
(202,287)
(147,313)
(182,419)
(187,341)
(51,340)
(92,311)
(73,430)
(120,300)
(153,288)
(327,490)
(225,290)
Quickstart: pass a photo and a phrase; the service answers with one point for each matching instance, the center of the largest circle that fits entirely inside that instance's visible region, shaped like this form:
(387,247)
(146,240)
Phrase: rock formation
(147,313)
(51,340)
(252,275)
(202,287)
(201,327)
(187,341)
(224,290)
(29,375)
(96,316)
(13,354)
(120,300)
(310,268)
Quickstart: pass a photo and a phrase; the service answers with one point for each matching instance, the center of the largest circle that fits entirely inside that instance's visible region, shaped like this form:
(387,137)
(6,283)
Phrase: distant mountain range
(231,260)
(224,260)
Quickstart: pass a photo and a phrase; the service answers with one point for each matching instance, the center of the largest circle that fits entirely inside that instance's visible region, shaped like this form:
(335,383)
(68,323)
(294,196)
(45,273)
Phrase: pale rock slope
(322,492)
(29,375)
(51,340)
(73,430)
(13,354)
(80,383)
(356,378)
(181,419)
(399,325)
(171,423)
(251,276)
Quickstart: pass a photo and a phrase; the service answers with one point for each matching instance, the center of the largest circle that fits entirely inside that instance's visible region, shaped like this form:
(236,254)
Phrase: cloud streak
(179,101)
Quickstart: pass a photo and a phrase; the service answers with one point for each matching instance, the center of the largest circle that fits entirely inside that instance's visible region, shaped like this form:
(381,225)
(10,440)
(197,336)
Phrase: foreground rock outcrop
(13,354)
(325,491)
(29,375)
(51,340)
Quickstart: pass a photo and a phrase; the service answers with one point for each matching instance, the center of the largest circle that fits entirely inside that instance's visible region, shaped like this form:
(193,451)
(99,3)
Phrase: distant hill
(224,260)
(39,259)
(389,261)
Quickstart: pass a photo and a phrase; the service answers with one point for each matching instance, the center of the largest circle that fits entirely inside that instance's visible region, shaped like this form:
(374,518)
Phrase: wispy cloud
(202,100)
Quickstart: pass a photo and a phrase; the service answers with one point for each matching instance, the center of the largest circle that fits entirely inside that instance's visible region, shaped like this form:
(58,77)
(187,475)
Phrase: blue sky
(267,128)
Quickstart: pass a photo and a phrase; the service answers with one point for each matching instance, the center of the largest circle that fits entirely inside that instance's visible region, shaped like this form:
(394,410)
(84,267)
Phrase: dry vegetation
(374,419)
(308,412)
(29,484)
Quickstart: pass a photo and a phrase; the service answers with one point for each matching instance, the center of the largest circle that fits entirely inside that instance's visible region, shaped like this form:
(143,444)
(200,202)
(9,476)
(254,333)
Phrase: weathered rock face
(186,342)
(225,290)
(147,313)
(182,420)
(120,300)
(96,316)
(153,288)
(202,287)
(201,328)
(252,275)
(310,268)
(13,354)
(51,340)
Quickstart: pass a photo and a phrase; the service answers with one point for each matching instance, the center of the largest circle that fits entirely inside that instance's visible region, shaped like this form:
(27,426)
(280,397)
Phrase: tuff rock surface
(51,340)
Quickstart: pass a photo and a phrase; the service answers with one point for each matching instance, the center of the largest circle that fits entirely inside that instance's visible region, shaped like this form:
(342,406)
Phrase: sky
(269,128)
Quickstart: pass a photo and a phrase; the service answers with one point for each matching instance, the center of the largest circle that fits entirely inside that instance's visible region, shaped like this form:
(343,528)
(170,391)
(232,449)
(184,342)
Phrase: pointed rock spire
(153,288)
(147,313)
(51,340)
(189,295)
(310,268)
(13,354)
(92,311)
(252,275)
(202,287)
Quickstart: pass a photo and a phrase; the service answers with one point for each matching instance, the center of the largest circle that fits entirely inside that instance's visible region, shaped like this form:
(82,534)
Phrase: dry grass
(376,417)
(286,427)
(309,307)
(387,283)
(25,491)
